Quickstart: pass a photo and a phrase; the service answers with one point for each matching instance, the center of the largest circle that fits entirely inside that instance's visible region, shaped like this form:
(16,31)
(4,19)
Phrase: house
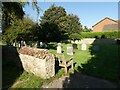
(106,24)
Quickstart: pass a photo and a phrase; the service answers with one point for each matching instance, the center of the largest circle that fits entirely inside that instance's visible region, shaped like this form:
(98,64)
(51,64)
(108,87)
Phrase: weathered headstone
(84,47)
(69,50)
(59,48)
(24,43)
(19,45)
(14,44)
(41,44)
(36,45)
(59,44)
(74,46)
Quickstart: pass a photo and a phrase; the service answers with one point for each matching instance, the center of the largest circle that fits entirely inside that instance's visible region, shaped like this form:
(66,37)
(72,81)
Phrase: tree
(86,29)
(53,22)
(24,29)
(75,36)
(12,11)
(73,24)
(56,21)
(13,24)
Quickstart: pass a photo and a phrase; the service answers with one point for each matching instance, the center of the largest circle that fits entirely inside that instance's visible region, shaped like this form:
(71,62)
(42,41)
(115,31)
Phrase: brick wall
(105,24)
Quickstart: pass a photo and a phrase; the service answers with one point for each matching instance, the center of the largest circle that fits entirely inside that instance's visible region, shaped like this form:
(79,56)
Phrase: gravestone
(59,48)
(19,45)
(74,46)
(69,50)
(14,44)
(84,47)
(24,43)
(36,45)
(41,44)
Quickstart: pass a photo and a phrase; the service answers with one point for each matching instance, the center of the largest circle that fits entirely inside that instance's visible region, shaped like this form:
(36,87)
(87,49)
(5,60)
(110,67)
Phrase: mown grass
(28,80)
(102,63)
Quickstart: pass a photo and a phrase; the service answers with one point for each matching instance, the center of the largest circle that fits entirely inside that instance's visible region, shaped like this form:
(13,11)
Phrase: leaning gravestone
(14,44)
(59,48)
(84,47)
(69,50)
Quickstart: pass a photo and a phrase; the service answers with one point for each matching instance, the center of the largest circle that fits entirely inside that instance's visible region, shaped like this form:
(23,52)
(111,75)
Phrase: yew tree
(56,24)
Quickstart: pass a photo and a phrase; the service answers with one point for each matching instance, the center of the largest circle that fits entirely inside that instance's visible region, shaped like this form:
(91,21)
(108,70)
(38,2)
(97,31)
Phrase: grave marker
(74,46)
(84,47)
(69,50)
(59,48)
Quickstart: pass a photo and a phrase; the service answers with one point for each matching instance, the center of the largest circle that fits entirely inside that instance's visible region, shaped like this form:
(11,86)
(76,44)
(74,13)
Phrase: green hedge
(111,34)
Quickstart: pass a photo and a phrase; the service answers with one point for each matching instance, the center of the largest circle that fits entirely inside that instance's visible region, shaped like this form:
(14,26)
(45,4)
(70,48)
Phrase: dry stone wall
(37,61)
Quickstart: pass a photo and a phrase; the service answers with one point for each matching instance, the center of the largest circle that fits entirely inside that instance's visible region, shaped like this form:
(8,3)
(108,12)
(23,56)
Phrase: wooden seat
(65,63)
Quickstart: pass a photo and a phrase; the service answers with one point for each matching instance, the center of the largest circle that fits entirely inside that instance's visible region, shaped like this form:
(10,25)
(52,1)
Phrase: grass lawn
(102,62)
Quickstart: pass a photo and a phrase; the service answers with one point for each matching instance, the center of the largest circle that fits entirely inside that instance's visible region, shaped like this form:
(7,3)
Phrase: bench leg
(72,66)
(65,70)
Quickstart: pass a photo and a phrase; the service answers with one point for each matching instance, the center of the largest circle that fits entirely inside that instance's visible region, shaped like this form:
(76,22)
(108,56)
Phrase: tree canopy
(12,11)
(59,24)
(14,25)
(24,29)
(55,24)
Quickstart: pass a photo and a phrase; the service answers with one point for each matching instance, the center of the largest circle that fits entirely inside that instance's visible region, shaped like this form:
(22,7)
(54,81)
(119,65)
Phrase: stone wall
(38,61)
(86,41)
(95,41)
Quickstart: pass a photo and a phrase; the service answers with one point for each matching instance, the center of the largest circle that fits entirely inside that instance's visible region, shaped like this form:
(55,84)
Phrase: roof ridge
(104,19)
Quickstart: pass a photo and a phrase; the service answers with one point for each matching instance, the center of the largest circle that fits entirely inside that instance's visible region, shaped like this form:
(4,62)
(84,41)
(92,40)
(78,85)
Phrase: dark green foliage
(86,29)
(111,34)
(53,23)
(73,25)
(14,28)
(50,32)
(57,25)
(11,12)
(75,36)
(24,29)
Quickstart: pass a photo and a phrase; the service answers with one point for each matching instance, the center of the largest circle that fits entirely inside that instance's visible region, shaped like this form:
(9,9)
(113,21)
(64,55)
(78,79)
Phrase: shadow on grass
(11,66)
(104,64)
(105,61)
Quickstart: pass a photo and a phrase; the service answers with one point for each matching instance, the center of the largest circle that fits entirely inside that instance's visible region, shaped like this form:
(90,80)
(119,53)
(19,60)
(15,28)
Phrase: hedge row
(111,34)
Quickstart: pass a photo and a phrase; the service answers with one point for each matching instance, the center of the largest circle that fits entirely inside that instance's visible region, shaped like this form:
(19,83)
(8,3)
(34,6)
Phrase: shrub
(111,34)
(75,36)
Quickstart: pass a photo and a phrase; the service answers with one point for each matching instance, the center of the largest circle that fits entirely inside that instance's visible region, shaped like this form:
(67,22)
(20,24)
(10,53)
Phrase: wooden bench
(65,63)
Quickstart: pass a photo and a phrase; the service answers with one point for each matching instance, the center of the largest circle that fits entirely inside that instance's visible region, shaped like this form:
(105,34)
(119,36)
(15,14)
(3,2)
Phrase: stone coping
(37,53)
